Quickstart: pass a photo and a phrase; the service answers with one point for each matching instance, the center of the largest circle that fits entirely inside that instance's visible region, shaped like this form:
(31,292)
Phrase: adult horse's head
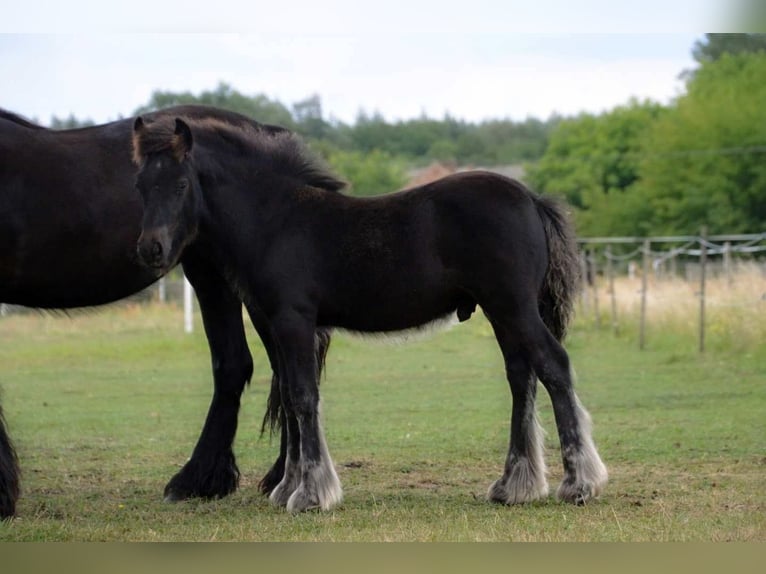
(169,190)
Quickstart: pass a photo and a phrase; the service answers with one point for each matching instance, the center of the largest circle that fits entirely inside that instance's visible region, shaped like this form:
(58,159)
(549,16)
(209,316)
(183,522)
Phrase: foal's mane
(281,150)
(17,119)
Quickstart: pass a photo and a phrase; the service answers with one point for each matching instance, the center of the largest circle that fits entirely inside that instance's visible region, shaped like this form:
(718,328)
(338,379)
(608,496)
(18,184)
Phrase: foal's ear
(139,125)
(182,140)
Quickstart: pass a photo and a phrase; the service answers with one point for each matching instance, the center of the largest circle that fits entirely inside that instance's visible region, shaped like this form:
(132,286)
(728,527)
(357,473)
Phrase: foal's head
(169,190)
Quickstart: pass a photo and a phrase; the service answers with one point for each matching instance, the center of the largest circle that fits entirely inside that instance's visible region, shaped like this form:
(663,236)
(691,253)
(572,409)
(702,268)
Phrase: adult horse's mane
(283,150)
(17,119)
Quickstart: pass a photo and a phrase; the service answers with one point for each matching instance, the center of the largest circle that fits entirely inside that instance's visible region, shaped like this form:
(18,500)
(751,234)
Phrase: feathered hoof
(578,493)
(502,491)
(309,497)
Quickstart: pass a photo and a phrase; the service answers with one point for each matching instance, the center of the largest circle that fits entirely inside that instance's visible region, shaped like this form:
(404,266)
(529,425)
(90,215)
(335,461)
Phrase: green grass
(105,407)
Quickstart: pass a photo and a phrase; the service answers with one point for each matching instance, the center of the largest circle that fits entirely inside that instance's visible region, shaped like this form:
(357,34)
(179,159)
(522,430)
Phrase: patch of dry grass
(735,309)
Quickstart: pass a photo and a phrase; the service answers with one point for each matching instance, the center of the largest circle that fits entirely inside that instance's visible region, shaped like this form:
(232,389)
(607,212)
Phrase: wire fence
(693,258)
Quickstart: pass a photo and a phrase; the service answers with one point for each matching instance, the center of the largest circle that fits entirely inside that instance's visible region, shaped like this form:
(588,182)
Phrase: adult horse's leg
(307,455)
(524,478)
(212,470)
(584,473)
(9,473)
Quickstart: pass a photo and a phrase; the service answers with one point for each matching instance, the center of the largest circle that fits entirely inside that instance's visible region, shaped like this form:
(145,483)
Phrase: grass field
(104,407)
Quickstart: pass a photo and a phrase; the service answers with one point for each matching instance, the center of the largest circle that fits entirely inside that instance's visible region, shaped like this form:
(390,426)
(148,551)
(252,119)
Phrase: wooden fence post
(727,261)
(584,275)
(703,265)
(674,266)
(188,307)
(644,282)
(612,295)
(594,285)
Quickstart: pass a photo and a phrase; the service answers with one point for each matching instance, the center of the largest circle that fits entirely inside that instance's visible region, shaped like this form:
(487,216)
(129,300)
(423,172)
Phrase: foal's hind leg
(584,473)
(524,477)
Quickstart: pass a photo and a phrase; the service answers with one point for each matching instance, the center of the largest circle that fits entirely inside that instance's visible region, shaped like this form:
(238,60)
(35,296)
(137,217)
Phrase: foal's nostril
(151,252)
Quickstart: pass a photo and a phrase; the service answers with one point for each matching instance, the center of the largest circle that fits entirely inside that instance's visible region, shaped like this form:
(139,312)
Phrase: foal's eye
(182,185)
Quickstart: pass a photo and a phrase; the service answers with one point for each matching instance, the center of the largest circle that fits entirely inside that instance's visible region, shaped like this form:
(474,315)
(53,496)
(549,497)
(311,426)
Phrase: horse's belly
(382,311)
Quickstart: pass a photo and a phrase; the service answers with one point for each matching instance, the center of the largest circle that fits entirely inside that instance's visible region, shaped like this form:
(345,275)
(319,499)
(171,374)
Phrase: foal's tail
(9,473)
(562,278)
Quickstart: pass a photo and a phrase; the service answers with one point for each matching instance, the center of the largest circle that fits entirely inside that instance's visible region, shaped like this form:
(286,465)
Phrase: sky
(477,60)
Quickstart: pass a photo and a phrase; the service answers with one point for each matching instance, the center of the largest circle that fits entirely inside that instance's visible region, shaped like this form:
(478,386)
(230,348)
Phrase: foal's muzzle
(151,254)
(153,251)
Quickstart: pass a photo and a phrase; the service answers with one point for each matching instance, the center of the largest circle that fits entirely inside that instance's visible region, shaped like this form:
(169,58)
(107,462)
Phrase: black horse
(70,220)
(307,258)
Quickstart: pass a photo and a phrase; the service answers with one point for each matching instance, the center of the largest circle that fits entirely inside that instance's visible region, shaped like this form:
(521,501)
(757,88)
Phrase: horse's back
(69,218)
(402,259)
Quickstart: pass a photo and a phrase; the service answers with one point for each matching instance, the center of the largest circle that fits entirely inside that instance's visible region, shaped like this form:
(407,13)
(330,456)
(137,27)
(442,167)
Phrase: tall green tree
(713,46)
(592,161)
(371,173)
(69,123)
(259,107)
(705,160)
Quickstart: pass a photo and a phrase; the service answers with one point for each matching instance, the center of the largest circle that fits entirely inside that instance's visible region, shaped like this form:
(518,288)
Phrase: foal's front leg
(308,460)
(212,472)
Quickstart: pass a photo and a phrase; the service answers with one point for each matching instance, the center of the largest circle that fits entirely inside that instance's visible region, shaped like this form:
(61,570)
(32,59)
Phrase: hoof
(172,497)
(281,494)
(321,489)
(524,481)
(302,501)
(212,479)
(502,492)
(578,494)
(272,478)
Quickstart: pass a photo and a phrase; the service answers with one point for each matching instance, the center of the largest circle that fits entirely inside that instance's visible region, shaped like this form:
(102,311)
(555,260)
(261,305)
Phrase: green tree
(716,45)
(705,160)
(259,107)
(308,118)
(69,123)
(371,173)
(592,161)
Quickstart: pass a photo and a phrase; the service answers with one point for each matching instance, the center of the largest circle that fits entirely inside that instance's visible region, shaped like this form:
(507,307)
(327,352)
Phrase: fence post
(162,290)
(594,285)
(727,261)
(644,282)
(612,295)
(674,266)
(584,275)
(703,265)
(188,309)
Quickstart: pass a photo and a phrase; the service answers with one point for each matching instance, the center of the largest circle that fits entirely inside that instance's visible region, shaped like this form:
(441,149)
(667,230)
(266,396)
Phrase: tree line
(642,168)
(646,169)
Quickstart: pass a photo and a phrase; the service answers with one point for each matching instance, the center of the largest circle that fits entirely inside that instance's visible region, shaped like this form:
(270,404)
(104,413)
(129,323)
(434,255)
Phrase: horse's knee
(233,372)
(305,405)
